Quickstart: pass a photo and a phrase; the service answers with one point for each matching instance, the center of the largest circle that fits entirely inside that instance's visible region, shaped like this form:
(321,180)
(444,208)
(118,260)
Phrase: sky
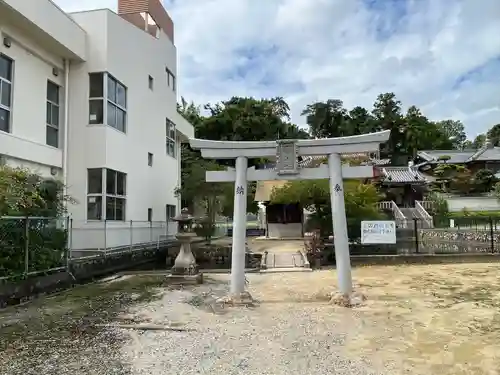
(440,55)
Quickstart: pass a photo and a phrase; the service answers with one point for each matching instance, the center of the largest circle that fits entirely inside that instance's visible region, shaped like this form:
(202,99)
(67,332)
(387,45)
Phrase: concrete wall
(456,204)
(292,230)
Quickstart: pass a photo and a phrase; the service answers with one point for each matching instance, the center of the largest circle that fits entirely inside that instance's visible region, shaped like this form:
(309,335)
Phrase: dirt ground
(428,319)
(418,319)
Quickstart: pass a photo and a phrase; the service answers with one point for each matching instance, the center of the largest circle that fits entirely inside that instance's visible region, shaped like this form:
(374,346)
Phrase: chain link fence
(32,245)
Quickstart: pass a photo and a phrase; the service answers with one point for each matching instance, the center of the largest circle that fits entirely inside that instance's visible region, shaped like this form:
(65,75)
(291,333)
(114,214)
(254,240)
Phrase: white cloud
(306,50)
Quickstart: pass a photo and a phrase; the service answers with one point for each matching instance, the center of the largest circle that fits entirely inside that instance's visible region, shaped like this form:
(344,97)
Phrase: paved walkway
(275,246)
(280,253)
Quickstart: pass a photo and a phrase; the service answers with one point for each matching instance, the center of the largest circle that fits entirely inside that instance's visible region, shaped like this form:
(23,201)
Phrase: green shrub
(46,246)
(205,228)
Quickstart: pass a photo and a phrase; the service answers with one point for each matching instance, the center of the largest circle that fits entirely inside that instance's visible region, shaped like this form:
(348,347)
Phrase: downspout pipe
(66,131)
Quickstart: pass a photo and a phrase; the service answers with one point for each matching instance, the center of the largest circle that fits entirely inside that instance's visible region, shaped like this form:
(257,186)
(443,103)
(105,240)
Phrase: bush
(205,228)
(46,245)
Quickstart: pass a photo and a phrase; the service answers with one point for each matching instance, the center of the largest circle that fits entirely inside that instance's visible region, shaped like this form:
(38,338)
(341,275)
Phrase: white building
(90,98)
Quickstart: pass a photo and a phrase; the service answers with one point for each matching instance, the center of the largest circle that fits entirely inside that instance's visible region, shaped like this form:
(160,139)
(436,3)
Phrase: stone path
(284,260)
(281,254)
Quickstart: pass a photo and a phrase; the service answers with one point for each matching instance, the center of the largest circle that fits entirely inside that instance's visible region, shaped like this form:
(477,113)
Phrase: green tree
(327,119)
(479,141)
(245,119)
(191,112)
(23,193)
(494,135)
(387,111)
(422,134)
(360,121)
(453,130)
(454,178)
(484,181)
(416,130)
(314,195)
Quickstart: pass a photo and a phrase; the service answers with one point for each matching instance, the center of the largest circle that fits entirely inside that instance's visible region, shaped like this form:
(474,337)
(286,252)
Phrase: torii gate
(287,152)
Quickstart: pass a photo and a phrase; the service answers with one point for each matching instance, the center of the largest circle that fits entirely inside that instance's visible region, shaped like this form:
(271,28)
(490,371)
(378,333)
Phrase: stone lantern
(185,263)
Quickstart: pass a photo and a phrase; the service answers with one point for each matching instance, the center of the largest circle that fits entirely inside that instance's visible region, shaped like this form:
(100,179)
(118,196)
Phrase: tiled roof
(461,157)
(402,175)
(314,161)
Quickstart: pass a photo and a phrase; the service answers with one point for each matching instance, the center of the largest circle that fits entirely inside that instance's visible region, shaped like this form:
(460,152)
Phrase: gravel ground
(275,337)
(427,319)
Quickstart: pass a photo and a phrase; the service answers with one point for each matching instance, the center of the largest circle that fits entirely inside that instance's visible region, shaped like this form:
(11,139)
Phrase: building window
(170,211)
(150,159)
(170,79)
(115,195)
(96,98)
(6,73)
(170,130)
(52,132)
(94,194)
(150,214)
(109,186)
(107,102)
(151,82)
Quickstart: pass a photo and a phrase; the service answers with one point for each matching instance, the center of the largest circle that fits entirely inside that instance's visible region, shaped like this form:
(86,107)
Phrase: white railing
(426,205)
(398,215)
(424,214)
(385,205)
(105,235)
(396,212)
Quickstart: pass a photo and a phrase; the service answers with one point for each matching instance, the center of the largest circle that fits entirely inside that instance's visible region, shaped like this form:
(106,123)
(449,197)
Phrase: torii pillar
(286,153)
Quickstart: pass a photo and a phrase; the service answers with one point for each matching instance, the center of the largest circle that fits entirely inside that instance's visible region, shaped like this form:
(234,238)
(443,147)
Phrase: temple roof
(402,175)
(461,157)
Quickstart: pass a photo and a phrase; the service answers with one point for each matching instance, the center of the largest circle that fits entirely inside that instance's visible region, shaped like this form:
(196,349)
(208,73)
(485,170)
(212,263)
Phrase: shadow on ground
(64,332)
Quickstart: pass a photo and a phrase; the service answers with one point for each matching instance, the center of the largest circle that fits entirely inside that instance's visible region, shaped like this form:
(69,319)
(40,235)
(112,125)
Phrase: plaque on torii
(287,154)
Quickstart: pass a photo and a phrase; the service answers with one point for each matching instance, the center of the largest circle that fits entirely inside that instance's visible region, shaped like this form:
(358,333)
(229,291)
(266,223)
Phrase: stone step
(291,269)
(284,260)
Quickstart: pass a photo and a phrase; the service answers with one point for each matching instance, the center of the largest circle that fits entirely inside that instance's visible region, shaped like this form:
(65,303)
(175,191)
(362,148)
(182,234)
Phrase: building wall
(50,25)
(147,186)
(33,67)
(131,56)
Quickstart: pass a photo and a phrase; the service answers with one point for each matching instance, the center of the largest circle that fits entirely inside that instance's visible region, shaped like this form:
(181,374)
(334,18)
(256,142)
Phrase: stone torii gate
(287,168)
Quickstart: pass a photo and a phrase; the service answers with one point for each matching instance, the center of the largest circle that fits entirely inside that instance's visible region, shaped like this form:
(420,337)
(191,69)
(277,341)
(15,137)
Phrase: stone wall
(80,271)
(456,235)
(452,240)
(88,268)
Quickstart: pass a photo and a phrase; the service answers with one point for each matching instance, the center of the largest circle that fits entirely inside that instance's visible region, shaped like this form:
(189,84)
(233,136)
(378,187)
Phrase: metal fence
(468,235)
(35,245)
(106,235)
(29,245)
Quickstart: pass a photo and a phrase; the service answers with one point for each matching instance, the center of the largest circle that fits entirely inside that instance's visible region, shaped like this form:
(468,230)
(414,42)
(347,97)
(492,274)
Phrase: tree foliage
(458,179)
(314,195)
(24,194)
(494,135)
(409,132)
(251,119)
